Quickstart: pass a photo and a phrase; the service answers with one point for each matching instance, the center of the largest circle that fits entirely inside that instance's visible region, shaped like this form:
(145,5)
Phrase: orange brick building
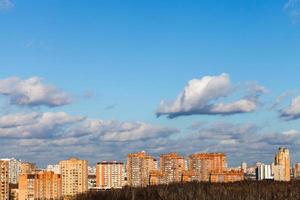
(202,164)
(41,185)
(139,165)
(172,166)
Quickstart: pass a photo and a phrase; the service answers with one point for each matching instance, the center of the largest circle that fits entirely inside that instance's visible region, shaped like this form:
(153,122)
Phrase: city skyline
(100,80)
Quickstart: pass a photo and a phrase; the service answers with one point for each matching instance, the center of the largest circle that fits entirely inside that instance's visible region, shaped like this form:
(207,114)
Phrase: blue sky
(117,60)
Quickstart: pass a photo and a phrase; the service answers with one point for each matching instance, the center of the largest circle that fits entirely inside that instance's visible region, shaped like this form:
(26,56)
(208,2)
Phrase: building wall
(4,180)
(26,187)
(172,167)
(41,185)
(297,170)
(74,175)
(226,176)
(27,168)
(110,175)
(201,164)
(47,185)
(282,158)
(139,165)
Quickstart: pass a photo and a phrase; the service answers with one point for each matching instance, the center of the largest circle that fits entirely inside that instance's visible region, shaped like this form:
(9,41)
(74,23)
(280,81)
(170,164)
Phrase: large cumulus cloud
(202,96)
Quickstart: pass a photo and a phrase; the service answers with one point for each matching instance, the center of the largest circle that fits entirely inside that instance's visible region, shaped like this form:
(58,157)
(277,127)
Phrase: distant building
(40,185)
(27,168)
(281,168)
(4,180)
(202,164)
(172,167)
(14,170)
(226,176)
(244,167)
(297,171)
(109,175)
(139,165)
(53,168)
(74,175)
(264,172)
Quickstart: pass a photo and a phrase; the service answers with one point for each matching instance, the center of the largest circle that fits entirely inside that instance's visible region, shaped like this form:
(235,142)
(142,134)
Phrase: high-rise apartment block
(139,165)
(74,175)
(202,164)
(4,180)
(14,170)
(281,168)
(109,175)
(172,167)
(40,185)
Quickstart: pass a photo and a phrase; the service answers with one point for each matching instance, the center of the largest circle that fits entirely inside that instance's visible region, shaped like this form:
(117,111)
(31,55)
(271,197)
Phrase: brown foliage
(246,190)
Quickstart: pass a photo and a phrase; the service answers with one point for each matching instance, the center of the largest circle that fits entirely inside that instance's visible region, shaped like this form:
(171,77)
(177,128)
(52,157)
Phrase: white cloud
(201,96)
(292,111)
(32,92)
(6,4)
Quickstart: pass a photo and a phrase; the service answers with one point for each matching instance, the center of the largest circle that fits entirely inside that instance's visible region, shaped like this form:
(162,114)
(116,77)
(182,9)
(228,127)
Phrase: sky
(101,79)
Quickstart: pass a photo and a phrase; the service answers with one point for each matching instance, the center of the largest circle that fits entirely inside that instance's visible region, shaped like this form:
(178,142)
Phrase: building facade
(172,167)
(27,168)
(282,158)
(202,164)
(296,171)
(226,176)
(4,180)
(74,176)
(14,170)
(40,185)
(109,175)
(264,172)
(139,165)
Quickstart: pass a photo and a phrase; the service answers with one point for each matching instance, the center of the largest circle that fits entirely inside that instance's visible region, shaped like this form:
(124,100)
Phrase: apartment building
(74,176)
(172,167)
(109,175)
(202,164)
(139,165)
(4,180)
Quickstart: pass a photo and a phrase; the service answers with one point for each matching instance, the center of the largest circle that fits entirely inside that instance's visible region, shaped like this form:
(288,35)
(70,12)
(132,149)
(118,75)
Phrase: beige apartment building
(172,167)
(282,165)
(139,165)
(40,185)
(4,180)
(74,176)
(109,175)
(202,164)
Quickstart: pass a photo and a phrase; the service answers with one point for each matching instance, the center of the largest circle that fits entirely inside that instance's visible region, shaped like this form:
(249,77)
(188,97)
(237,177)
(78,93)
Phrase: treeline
(246,190)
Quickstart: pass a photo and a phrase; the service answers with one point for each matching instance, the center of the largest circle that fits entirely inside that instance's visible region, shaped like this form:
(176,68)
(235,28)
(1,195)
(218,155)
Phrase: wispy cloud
(292,8)
(6,5)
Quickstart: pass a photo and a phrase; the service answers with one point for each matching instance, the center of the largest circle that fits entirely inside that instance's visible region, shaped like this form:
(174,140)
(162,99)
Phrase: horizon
(99,80)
